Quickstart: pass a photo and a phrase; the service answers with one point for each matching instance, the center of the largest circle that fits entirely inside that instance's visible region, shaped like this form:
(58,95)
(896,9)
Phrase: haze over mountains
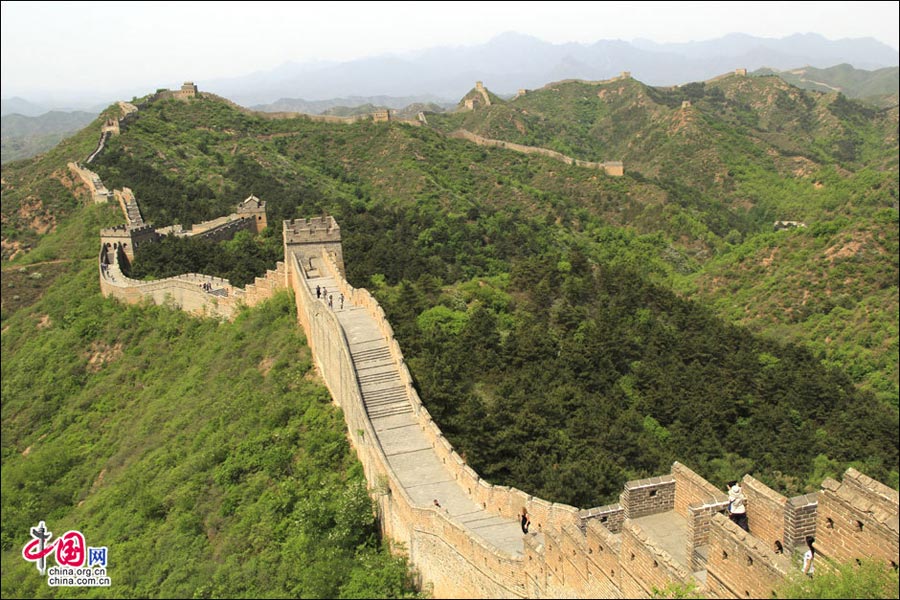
(437,77)
(511,61)
(505,63)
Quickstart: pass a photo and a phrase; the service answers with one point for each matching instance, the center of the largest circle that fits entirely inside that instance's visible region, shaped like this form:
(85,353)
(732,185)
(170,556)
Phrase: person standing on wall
(526,522)
(737,509)
(808,567)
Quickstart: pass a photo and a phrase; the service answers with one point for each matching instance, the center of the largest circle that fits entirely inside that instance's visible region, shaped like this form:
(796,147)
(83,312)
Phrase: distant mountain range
(23,136)
(512,61)
(27,108)
(337,105)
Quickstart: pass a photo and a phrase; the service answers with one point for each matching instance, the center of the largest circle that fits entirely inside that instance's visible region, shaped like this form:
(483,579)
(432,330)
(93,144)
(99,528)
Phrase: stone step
(382,413)
(397,400)
(371,354)
(375,378)
(386,392)
(384,359)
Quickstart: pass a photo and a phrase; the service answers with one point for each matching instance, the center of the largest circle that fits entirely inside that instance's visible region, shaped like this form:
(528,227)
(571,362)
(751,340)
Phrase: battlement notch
(308,237)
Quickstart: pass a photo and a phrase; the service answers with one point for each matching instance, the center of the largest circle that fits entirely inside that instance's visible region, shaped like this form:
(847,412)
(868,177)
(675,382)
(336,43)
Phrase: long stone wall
(449,559)
(611,551)
(96,188)
(613,168)
(574,555)
(501,500)
(186,292)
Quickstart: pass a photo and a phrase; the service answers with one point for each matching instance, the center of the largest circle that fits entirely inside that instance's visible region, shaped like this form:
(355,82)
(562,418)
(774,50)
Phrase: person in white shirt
(737,508)
(808,567)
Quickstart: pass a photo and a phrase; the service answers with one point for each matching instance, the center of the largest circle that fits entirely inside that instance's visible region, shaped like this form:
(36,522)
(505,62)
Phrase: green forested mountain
(734,127)
(879,87)
(758,150)
(434,216)
(568,330)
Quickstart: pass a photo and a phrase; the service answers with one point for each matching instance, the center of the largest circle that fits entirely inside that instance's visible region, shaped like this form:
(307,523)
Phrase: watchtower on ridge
(306,238)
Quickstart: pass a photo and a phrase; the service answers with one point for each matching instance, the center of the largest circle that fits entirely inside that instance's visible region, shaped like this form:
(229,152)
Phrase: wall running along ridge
(664,529)
(612,168)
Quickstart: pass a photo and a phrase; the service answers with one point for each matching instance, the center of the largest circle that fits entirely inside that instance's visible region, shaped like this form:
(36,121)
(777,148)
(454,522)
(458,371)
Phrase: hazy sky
(61,47)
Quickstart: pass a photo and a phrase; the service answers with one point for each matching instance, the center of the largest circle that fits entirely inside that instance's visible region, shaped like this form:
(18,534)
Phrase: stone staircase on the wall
(410,454)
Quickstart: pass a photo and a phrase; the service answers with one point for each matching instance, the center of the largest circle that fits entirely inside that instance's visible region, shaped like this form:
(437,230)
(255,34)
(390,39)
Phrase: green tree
(867,579)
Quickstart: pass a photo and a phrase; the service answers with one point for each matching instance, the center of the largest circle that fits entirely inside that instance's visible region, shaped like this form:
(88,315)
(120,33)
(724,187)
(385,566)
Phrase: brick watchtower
(307,237)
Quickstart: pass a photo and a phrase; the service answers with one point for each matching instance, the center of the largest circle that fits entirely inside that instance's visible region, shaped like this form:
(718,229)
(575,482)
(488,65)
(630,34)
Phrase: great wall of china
(613,168)
(460,531)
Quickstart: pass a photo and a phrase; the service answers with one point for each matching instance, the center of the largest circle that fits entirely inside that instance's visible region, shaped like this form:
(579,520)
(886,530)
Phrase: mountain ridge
(511,61)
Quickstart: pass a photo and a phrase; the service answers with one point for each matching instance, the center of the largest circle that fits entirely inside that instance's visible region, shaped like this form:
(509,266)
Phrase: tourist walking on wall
(737,508)
(331,301)
(318,292)
(342,302)
(808,567)
(526,522)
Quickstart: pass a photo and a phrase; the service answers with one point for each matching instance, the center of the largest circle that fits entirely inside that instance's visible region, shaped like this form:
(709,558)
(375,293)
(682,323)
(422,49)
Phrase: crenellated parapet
(666,529)
(308,237)
(858,517)
(129,239)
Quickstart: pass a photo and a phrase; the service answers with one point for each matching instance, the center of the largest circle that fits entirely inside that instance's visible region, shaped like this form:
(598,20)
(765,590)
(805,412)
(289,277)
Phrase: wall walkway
(613,168)
(395,440)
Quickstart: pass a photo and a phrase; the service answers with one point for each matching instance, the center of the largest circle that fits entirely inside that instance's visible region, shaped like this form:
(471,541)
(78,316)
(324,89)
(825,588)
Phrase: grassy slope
(832,287)
(40,193)
(205,455)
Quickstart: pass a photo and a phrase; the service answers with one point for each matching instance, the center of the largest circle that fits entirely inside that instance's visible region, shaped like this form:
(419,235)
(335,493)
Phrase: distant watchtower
(307,237)
(111,124)
(254,208)
(188,90)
